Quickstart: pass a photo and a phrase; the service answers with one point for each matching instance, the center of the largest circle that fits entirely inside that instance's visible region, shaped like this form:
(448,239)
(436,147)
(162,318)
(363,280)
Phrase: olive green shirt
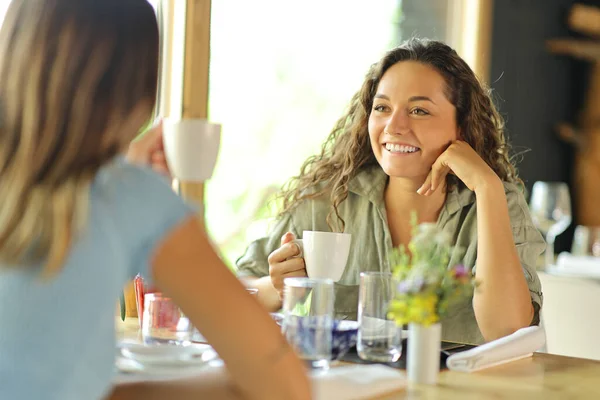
(366,219)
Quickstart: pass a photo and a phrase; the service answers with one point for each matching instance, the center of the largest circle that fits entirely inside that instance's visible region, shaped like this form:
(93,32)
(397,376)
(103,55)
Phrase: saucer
(166,354)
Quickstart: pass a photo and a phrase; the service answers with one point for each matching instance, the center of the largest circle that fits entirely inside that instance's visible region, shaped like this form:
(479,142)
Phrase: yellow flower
(419,309)
(398,309)
(423,309)
(425,259)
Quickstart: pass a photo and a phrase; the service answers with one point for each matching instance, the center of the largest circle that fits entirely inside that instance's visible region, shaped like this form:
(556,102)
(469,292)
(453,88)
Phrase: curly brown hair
(347,150)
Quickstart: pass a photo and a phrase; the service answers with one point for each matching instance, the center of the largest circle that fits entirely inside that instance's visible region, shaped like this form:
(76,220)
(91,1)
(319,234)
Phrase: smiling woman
(421,134)
(412,121)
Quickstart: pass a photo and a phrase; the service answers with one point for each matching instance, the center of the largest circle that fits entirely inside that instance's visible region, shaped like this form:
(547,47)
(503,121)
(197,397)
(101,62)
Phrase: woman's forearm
(260,362)
(502,302)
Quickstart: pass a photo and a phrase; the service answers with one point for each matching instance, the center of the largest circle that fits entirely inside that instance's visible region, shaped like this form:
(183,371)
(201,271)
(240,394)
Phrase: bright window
(154,3)
(3,8)
(281,74)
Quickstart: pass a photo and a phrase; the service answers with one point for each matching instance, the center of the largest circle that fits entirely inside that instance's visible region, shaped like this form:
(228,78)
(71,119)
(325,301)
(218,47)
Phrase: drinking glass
(379,338)
(550,207)
(586,241)
(141,288)
(308,319)
(163,321)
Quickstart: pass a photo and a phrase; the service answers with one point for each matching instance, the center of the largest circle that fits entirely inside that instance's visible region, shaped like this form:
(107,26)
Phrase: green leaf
(123,307)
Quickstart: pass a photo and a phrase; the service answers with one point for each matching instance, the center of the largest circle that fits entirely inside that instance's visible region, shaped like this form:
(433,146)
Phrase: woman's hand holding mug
(286,262)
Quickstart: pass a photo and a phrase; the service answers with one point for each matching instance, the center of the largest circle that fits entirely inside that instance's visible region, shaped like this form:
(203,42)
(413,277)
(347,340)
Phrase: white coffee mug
(191,148)
(325,253)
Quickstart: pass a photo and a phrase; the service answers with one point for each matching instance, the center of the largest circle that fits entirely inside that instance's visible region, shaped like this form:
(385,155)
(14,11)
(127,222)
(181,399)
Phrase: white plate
(129,366)
(197,337)
(167,355)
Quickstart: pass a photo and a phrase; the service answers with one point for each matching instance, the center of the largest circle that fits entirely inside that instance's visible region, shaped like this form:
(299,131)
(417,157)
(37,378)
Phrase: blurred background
(282,72)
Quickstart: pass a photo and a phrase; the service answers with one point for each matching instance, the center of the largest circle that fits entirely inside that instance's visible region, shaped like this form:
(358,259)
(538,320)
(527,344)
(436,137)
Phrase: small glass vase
(424,347)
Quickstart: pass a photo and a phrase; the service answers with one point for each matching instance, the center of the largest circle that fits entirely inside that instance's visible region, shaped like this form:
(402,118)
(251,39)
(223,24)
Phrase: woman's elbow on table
(267,295)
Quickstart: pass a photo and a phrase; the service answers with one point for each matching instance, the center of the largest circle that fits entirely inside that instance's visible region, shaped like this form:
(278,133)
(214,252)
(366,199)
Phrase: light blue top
(57,337)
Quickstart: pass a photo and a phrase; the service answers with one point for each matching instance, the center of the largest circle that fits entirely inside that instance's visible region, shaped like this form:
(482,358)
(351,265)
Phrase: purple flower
(460,271)
(410,285)
(403,287)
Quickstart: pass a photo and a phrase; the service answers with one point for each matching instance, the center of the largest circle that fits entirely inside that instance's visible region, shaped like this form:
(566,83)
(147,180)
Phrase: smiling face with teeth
(412,121)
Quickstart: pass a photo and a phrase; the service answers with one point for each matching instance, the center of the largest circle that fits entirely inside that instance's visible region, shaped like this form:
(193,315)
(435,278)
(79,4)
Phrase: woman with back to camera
(77,82)
(421,134)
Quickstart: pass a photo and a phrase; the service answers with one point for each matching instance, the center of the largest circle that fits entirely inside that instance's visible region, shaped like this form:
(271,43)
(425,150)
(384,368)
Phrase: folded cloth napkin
(520,344)
(356,382)
(579,266)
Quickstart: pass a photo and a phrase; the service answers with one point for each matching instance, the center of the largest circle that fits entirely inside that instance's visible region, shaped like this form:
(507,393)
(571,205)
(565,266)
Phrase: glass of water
(308,319)
(550,207)
(379,338)
(163,321)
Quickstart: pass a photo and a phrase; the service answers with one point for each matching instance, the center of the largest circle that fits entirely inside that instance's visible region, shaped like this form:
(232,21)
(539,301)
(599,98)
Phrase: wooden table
(544,376)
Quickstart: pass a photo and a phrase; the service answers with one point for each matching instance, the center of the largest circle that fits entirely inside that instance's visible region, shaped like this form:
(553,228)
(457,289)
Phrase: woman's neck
(401,198)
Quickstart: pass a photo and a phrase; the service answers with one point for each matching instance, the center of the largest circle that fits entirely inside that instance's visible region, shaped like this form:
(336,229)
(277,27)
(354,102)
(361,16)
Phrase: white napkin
(356,382)
(520,344)
(579,266)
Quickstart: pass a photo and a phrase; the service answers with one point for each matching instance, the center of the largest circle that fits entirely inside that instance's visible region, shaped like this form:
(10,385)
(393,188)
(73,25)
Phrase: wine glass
(550,207)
